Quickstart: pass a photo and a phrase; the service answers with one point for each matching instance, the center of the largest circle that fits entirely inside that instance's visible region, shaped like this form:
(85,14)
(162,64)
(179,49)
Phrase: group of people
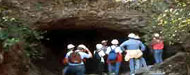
(112,56)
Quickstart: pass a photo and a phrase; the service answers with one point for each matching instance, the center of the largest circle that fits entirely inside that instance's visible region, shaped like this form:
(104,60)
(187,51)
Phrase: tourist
(99,58)
(141,62)
(157,45)
(70,47)
(105,45)
(114,57)
(104,48)
(75,60)
(132,50)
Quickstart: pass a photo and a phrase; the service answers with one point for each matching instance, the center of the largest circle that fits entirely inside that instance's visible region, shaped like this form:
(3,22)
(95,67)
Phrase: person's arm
(142,46)
(66,60)
(108,50)
(122,46)
(118,50)
(101,53)
(89,53)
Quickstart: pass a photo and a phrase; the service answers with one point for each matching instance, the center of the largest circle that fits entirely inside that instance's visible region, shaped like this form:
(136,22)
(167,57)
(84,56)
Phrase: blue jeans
(133,65)
(140,63)
(143,62)
(64,70)
(75,70)
(158,56)
(137,64)
(114,67)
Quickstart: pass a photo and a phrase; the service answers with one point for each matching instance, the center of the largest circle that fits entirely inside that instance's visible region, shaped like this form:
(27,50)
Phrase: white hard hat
(81,46)
(103,41)
(115,41)
(137,37)
(156,35)
(69,46)
(99,46)
(131,35)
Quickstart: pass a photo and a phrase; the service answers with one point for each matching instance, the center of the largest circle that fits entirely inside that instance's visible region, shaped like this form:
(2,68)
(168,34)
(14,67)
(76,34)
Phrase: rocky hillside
(102,19)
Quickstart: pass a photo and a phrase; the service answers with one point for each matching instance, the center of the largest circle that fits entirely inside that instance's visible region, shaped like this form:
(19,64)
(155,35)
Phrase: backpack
(112,56)
(75,58)
(97,56)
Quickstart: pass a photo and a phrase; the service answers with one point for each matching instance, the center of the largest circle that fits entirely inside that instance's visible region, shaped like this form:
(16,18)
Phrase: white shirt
(101,54)
(113,47)
(104,48)
(82,54)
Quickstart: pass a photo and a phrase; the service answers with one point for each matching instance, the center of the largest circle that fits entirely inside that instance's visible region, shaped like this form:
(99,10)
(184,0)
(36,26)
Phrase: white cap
(131,35)
(99,46)
(69,46)
(137,37)
(82,46)
(156,35)
(115,41)
(103,41)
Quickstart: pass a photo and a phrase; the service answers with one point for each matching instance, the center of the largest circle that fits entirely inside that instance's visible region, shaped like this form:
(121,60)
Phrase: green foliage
(170,18)
(13,31)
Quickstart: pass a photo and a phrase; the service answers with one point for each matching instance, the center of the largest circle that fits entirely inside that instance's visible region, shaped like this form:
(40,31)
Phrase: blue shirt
(132,44)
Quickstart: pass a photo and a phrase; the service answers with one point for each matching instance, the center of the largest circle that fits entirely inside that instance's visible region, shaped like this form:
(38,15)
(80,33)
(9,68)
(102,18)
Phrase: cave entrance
(77,31)
(57,41)
(62,32)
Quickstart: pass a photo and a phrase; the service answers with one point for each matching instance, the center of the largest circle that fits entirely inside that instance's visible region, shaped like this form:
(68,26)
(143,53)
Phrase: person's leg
(109,67)
(143,62)
(113,67)
(64,70)
(70,70)
(100,68)
(132,66)
(160,56)
(117,67)
(156,56)
(80,70)
(137,64)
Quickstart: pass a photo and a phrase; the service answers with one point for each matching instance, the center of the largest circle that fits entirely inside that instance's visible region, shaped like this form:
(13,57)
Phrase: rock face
(96,19)
(15,62)
(175,65)
(101,18)
(102,13)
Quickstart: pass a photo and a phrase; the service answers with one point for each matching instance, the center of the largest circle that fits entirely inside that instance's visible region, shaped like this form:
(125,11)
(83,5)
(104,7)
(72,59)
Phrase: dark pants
(75,70)
(100,68)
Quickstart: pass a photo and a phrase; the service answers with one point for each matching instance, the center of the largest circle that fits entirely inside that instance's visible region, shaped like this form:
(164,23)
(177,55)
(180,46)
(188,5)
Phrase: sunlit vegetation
(170,18)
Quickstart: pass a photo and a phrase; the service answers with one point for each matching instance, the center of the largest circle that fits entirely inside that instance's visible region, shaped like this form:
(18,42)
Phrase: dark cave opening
(66,31)
(57,40)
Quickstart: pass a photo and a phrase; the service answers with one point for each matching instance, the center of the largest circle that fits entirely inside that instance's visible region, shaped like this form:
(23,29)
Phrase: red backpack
(75,58)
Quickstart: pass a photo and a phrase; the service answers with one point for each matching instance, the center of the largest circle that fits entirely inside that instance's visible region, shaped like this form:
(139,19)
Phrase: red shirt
(158,45)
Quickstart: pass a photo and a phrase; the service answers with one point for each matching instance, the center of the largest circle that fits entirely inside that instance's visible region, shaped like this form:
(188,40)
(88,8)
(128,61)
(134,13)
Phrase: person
(70,47)
(99,57)
(157,45)
(141,61)
(104,43)
(75,60)
(132,50)
(104,48)
(114,51)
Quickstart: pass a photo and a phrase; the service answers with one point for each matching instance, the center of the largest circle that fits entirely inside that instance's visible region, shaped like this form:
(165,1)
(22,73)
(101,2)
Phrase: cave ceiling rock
(99,13)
